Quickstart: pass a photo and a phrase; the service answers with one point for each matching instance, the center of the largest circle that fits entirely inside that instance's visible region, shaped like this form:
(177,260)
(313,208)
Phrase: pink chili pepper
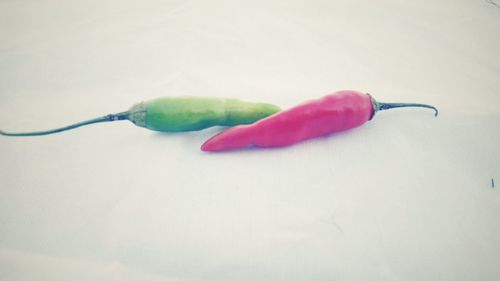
(336,112)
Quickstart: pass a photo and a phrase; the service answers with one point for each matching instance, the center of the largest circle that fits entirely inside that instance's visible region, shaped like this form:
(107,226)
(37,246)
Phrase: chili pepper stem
(378,106)
(107,118)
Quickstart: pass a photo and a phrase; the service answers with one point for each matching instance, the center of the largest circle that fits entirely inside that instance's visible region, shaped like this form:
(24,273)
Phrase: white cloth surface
(407,196)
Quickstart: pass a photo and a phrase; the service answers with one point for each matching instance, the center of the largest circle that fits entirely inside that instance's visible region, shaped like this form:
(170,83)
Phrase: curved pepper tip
(206,147)
(212,145)
(237,137)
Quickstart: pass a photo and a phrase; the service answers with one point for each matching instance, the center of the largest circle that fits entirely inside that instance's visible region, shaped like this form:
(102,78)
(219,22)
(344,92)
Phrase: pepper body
(333,113)
(178,114)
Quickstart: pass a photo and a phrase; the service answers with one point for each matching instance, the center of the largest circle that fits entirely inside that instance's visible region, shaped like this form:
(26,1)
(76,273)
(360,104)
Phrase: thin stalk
(385,106)
(377,106)
(107,118)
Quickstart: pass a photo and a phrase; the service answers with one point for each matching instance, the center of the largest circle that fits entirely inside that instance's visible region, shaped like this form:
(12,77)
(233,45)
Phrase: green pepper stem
(107,118)
(385,106)
(377,106)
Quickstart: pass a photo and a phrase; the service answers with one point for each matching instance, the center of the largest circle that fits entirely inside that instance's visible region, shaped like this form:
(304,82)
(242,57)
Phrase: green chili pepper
(179,114)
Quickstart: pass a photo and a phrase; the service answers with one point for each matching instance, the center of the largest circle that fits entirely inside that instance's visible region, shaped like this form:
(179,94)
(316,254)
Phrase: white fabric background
(405,197)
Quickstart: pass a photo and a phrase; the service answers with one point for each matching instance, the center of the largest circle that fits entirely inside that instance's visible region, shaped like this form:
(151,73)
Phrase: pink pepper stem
(333,113)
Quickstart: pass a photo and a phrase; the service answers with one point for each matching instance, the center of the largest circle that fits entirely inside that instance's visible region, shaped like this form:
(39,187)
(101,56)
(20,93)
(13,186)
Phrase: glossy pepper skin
(336,112)
(178,114)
